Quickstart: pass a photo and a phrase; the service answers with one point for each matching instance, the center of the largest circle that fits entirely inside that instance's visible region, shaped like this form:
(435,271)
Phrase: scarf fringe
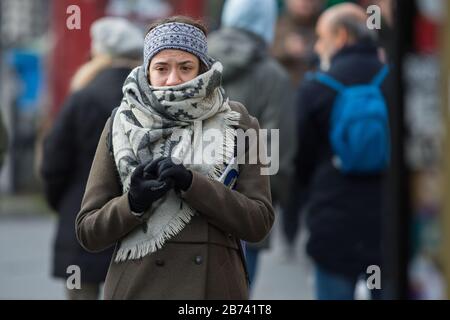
(226,153)
(177,224)
(142,249)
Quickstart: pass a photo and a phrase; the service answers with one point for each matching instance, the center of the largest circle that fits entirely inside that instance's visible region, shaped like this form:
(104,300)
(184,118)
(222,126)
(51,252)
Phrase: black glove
(145,189)
(168,171)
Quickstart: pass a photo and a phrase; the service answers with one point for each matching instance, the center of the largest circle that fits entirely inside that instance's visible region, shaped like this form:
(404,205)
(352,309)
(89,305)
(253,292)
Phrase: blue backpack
(359,125)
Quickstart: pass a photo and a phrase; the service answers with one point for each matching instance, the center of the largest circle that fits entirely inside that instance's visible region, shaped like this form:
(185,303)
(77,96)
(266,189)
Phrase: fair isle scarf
(148,125)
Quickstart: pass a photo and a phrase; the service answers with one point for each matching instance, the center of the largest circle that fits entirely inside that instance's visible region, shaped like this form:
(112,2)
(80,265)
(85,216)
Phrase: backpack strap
(380,76)
(326,80)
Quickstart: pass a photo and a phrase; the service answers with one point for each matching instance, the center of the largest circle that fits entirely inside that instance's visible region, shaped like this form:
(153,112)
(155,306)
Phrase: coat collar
(359,48)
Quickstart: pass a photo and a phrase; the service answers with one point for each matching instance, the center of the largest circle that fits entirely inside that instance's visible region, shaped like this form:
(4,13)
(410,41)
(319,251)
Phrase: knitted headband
(175,35)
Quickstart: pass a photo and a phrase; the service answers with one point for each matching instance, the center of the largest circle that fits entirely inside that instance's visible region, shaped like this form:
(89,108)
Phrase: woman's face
(171,67)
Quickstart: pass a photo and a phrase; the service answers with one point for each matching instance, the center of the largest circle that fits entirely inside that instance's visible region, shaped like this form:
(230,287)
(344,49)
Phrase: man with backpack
(343,152)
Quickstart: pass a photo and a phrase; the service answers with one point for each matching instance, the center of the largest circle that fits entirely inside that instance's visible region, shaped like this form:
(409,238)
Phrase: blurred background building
(39,54)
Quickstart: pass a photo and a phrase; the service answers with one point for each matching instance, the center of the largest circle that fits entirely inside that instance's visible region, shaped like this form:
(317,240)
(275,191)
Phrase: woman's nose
(173,79)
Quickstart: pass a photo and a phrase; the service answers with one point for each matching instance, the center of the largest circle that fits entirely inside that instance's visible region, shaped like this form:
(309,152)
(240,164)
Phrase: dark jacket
(200,262)
(67,158)
(344,217)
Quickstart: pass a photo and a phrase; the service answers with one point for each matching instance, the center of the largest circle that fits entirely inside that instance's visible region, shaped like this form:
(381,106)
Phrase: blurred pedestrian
(343,206)
(252,77)
(176,225)
(294,49)
(295,37)
(70,146)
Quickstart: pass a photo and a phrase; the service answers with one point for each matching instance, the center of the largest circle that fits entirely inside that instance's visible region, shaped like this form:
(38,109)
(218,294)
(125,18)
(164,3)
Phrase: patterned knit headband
(176,35)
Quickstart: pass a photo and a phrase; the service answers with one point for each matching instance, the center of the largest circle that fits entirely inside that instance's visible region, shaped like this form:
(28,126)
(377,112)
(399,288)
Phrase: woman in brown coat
(176,221)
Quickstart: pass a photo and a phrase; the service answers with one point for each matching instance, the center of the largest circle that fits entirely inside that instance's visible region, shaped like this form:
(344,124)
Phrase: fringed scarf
(152,122)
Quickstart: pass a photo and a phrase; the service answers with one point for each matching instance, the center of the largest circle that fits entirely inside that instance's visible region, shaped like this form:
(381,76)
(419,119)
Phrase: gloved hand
(145,189)
(166,170)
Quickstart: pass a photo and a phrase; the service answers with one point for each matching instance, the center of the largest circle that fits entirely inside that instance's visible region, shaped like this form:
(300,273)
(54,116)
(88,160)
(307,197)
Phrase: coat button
(198,260)
(159,262)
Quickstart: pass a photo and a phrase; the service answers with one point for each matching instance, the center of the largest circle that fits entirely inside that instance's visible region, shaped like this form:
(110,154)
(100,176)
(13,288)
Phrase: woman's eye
(186,68)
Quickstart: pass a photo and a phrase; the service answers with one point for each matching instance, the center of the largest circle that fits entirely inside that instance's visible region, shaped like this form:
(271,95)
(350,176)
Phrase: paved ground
(284,274)
(25,255)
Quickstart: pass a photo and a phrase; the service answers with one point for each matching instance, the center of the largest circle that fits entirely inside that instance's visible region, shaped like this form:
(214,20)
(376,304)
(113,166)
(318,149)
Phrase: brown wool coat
(202,261)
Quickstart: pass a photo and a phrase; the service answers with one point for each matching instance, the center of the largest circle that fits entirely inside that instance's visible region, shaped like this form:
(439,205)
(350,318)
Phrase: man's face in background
(326,44)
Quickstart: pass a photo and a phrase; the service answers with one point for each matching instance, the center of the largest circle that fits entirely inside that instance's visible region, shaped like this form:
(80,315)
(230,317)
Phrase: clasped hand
(151,180)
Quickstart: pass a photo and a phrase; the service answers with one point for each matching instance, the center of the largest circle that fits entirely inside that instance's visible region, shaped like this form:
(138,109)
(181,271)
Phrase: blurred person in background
(294,48)
(252,77)
(3,141)
(343,210)
(69,148)
(295,37)
(177,225)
